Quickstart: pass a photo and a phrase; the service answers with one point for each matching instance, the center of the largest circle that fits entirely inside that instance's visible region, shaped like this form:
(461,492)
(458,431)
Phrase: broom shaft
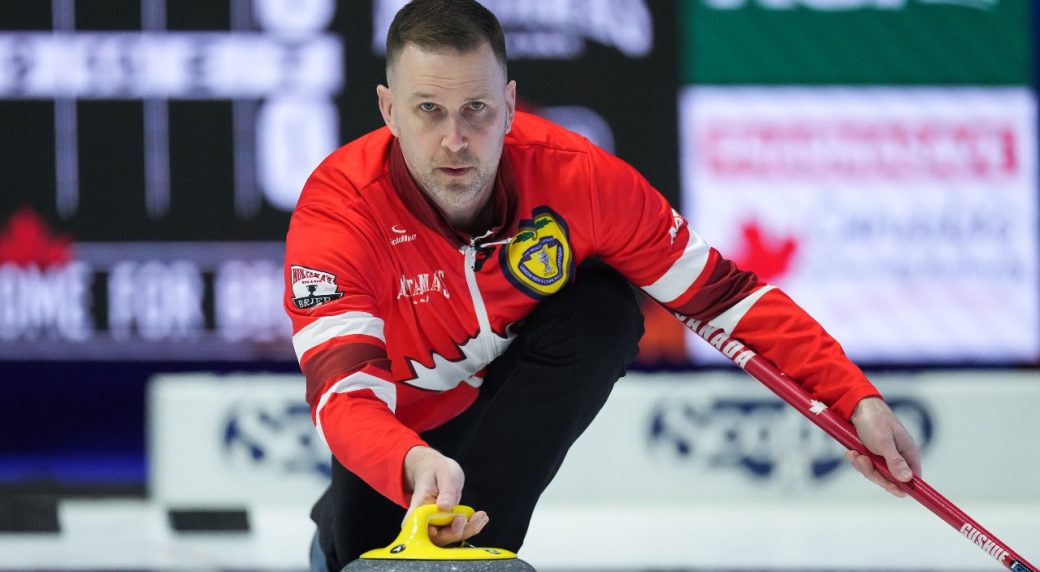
(843,431)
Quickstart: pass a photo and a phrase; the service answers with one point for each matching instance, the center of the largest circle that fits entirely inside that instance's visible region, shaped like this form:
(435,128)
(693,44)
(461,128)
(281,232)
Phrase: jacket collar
(503,201)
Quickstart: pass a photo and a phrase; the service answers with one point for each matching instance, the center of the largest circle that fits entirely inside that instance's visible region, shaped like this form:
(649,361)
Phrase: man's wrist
(412,460)
(867,403)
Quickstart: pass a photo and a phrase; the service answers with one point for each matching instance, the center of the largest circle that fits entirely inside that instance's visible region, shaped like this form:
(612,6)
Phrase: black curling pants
(537,398)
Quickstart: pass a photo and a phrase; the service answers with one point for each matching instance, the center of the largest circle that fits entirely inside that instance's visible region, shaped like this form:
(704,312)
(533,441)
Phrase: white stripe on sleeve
(729,319)
(384,390)
(327,327)
(683,273)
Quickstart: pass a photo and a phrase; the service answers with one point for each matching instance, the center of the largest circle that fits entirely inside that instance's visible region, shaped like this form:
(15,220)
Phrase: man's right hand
(433,478)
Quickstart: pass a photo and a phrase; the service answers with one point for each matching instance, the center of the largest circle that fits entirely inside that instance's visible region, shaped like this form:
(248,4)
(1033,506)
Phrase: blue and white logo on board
(763,439)
(274,436)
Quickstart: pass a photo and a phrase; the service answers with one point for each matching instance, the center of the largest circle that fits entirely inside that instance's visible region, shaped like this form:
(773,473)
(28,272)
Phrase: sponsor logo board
(759,438)
(233,440)
(720,437)
(857,42)
(273,436)
(143,301)
(709,437)
(904,220)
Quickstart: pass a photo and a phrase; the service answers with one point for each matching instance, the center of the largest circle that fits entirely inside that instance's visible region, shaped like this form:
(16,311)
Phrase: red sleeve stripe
(339,341)
(723,286)
(328,327)
(357,381)
(707,274)
(728,320)
(328,363)
(683,272)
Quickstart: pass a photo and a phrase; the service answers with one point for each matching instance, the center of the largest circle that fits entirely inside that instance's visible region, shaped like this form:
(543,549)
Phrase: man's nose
(455,138)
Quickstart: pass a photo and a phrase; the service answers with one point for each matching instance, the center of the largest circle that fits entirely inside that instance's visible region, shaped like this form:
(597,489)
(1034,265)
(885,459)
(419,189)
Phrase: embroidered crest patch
(539,260)
(312,287)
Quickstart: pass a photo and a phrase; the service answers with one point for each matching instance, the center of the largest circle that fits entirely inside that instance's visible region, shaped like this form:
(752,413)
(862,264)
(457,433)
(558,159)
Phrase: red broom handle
(843,431)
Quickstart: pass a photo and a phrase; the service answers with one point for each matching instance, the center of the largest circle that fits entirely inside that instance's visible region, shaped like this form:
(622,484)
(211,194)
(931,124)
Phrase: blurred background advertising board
(857,42)
(905,220)
(876,160)
(722,438)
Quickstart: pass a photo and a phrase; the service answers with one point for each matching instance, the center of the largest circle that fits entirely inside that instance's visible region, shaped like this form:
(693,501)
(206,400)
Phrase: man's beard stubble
(455,194)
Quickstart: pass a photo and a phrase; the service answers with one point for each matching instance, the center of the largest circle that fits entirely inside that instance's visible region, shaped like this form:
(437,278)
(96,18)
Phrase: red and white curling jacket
(395,315)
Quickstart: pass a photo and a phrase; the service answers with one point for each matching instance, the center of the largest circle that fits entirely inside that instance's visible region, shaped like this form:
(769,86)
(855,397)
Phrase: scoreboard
(159,164)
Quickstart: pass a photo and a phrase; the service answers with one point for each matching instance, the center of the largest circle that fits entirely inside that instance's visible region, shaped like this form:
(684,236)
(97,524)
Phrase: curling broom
(843,431)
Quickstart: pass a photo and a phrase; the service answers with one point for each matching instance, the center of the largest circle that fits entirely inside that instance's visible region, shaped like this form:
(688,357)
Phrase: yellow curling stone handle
(414,541)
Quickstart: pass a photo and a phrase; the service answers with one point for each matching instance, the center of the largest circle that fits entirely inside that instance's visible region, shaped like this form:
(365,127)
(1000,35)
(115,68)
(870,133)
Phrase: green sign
(856,42)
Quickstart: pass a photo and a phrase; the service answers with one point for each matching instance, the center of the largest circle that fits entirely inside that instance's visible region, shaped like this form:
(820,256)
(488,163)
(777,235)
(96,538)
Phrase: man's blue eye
(477,105)
(427,106)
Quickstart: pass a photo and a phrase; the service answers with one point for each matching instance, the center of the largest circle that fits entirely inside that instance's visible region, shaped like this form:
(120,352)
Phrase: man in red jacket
(456,334)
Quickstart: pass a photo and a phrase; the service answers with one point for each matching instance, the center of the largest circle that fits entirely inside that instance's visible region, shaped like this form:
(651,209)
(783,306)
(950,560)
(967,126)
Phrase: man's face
(450,111)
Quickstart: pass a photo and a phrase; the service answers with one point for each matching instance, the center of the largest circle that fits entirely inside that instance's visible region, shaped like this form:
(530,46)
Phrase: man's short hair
(462,25)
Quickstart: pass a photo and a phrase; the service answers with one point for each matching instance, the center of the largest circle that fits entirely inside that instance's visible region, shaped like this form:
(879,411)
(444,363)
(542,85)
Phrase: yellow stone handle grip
(414,541)
(430,514)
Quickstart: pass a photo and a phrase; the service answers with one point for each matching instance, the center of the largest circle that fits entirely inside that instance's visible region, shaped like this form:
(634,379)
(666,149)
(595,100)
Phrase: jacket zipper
(483,321)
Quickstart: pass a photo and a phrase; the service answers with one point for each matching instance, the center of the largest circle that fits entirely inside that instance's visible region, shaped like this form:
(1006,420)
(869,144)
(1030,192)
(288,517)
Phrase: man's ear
(510,104)
(386,107)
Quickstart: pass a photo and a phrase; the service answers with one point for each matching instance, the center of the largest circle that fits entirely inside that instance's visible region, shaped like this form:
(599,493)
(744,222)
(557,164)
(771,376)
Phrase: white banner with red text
(904,220)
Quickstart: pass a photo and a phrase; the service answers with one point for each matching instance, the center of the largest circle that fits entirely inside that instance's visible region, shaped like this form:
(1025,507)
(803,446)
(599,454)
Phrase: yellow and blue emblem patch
(539,259)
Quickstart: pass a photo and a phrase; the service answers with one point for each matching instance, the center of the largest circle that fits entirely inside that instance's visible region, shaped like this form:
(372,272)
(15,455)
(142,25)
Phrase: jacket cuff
(847,403)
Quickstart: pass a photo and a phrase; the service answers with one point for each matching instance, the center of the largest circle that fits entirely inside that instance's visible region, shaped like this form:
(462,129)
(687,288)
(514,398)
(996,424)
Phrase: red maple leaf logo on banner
(26,240)
(769,257)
